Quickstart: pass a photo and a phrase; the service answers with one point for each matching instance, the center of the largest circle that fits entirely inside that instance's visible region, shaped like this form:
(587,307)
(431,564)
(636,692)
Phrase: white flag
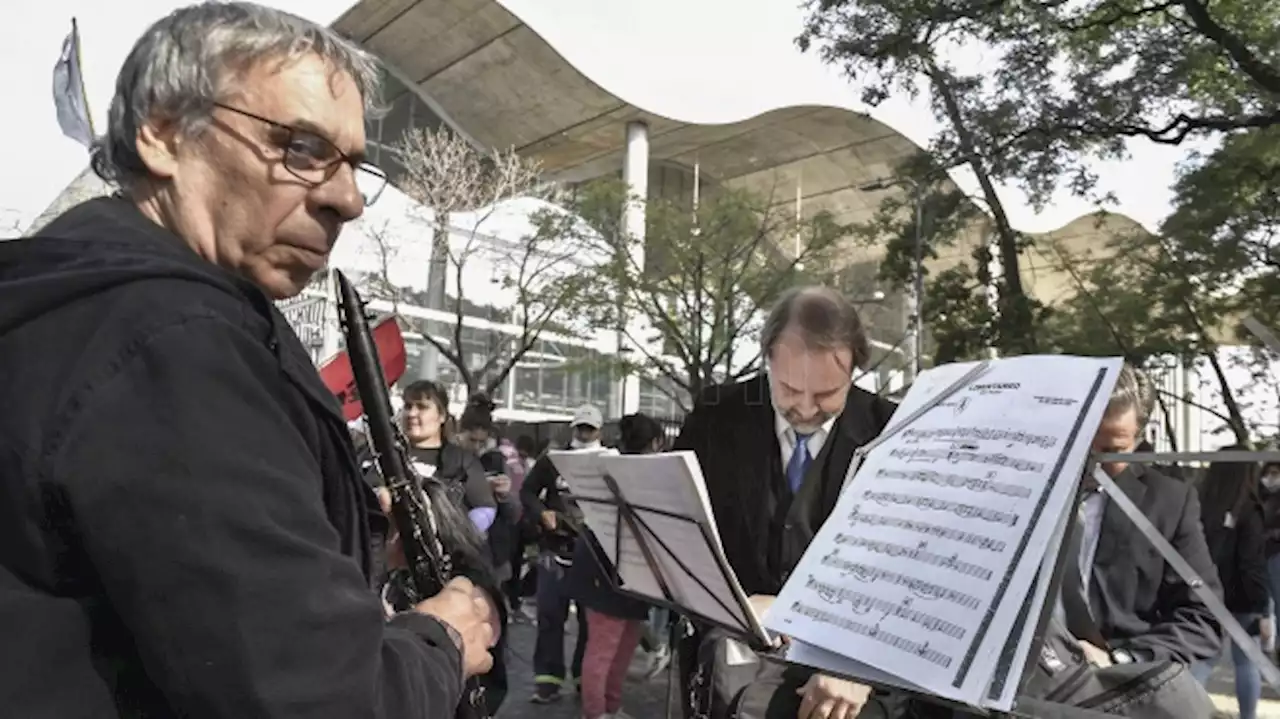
(68,92)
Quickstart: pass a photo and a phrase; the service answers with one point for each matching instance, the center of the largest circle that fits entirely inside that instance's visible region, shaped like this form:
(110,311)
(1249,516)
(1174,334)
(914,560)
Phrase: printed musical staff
(873,631)
(944,479)
(954,456)
(988,434)
(857,516)
(919,553)
(960,509)
(860,603)
(918,587)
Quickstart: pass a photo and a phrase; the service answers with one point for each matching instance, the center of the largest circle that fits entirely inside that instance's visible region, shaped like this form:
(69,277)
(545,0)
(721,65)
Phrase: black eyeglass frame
(328,168)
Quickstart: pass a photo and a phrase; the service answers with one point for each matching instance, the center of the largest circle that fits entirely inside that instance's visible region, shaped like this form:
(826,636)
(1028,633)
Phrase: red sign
(340,380)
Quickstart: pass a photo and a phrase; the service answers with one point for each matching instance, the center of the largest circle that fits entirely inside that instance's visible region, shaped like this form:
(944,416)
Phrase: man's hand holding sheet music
(824,696)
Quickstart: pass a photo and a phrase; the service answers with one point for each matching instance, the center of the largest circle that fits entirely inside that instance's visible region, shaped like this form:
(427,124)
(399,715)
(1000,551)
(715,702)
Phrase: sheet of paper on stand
(585,475)
(668,494)
(923,567)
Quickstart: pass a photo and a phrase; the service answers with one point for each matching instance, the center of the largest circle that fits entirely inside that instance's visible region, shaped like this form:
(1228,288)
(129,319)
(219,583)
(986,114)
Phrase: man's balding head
(813,340)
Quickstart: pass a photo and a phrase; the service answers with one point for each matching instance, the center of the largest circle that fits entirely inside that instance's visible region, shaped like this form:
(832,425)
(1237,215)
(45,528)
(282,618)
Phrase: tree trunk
(1017,333)
(1236,422)
(437,268)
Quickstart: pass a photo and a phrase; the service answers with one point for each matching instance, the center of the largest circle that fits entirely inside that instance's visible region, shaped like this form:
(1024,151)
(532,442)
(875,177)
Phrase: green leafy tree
(709,276)
(1061,85)
(888,46)
(1185,291)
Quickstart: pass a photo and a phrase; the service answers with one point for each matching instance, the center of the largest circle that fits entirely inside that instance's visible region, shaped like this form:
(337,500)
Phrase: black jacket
(732,431)
(1271,517)
(1239,552)
(1138,602)
(592,582)
(544,490)
(183,527)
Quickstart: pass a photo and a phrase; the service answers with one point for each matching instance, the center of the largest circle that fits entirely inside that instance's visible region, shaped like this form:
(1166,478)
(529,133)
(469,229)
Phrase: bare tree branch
(447,176)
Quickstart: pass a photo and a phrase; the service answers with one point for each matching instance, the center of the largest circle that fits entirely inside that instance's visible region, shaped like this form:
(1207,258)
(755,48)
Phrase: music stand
(631,518)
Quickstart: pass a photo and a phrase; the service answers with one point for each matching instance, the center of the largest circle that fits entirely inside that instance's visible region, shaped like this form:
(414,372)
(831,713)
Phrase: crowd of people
(190,528)
(515,498)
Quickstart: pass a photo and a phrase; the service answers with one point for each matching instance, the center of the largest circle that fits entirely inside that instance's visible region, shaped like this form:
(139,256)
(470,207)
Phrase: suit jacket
(1137,600)
(765,530)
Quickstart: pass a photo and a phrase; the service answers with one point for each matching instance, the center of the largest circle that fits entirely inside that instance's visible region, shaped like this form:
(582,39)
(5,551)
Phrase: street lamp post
(915,296)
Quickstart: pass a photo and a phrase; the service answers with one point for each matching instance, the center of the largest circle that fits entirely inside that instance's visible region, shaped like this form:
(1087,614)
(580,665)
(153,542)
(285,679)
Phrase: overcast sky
(707,61)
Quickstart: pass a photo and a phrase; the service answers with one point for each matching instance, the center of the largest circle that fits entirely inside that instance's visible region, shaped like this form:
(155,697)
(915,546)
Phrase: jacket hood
(92,248)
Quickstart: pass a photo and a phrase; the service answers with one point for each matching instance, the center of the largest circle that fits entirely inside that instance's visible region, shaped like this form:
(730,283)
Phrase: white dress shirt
(787,437)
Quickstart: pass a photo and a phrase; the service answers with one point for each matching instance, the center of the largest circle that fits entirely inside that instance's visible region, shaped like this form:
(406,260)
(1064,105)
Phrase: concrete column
(635,175)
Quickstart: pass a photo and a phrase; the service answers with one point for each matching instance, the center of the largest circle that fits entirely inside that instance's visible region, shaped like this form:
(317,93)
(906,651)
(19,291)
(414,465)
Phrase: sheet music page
(667,490)
(933,546)
(584,471)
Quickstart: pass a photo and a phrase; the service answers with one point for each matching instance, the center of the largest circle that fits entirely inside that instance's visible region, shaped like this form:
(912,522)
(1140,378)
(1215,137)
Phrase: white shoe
(658,662)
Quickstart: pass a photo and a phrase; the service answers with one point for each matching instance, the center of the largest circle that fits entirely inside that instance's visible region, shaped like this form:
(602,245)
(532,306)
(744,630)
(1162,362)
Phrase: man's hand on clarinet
(830,698)
(394,548)
(467,610)
(549,520)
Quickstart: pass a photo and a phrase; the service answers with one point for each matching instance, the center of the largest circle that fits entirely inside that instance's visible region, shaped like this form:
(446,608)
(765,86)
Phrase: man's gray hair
(822,317)
(189,60)
(1133,391)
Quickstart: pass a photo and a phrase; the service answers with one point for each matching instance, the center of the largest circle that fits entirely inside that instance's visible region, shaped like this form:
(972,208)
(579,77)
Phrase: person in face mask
(559,519)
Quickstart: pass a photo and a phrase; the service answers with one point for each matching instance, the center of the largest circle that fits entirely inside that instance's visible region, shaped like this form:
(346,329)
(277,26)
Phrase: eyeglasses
(314,159)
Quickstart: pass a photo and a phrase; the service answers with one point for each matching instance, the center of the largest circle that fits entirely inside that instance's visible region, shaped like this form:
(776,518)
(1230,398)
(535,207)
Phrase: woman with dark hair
(426,411)
(615,620)
(1231,513)
(503,469)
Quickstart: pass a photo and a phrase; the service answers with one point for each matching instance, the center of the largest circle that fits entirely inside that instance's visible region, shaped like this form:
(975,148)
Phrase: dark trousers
(514,587)
(553,612)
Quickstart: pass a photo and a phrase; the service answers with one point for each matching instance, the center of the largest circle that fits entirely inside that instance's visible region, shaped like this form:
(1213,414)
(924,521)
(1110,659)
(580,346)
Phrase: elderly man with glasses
(183,528)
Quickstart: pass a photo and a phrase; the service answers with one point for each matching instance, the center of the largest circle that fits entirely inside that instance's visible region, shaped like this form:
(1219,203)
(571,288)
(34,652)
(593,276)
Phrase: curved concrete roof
(499,83)
(496,79)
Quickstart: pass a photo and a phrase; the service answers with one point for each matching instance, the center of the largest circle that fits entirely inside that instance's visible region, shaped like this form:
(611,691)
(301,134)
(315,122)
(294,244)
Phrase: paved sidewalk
(1223,691)
(641,699)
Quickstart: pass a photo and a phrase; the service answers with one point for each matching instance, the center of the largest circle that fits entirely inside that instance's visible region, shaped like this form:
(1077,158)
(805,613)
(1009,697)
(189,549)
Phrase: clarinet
(430,565)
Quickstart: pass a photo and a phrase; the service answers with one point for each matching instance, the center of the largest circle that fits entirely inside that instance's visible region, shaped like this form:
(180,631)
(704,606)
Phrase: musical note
(985,434)
(897,551)
(919,587)
(873,631)
(988,544)
(957,456)
(945,479)
(960,509)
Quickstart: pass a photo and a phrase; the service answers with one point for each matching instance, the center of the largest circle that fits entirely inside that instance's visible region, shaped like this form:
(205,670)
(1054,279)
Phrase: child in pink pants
(611,642)
(614,620)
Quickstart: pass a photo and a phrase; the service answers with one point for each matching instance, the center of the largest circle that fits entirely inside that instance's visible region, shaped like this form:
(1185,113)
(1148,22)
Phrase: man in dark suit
(1141,609)
(775,450)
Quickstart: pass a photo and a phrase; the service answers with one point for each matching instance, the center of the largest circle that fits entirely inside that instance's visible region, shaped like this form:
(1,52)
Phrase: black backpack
(1162,689)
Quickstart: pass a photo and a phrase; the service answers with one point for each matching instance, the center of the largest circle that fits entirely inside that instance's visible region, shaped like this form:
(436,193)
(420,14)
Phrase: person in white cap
(558,518)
